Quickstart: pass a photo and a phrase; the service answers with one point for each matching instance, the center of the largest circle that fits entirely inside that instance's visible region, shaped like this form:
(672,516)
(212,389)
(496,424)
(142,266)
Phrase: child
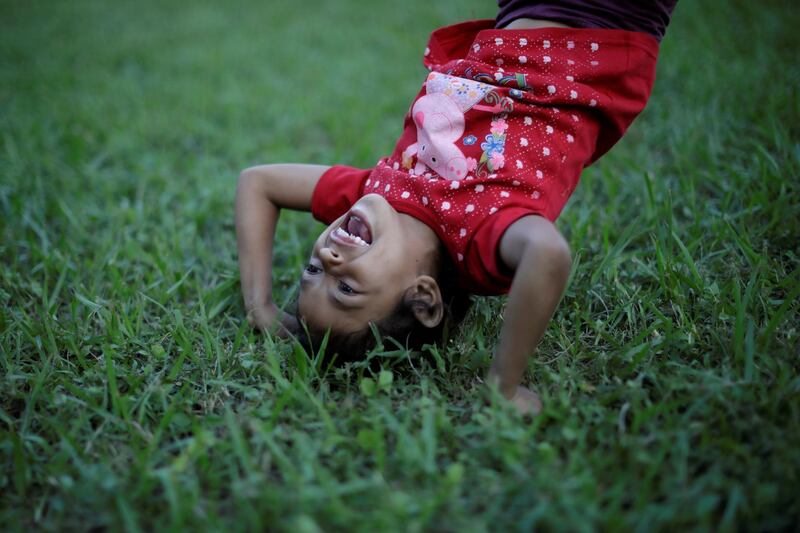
(491,150)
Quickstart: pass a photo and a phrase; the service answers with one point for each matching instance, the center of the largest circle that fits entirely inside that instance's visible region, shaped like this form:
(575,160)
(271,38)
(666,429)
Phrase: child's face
(362,264)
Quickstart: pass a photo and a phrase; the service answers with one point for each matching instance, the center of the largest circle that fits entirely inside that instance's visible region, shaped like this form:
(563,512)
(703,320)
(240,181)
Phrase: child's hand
(271,318)
(527,402)
(263,316)
(524,400)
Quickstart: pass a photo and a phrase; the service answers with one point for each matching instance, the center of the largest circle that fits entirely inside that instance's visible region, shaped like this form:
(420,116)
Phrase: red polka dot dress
(501,129)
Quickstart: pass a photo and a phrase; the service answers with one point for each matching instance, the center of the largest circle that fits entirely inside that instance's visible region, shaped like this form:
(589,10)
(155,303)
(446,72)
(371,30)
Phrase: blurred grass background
(134,397)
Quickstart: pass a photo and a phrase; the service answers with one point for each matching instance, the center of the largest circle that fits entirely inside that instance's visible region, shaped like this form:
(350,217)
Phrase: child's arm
(540,258)
(261,193)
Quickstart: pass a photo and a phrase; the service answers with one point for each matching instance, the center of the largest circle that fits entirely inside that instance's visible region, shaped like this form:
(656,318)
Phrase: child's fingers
(262,317)
(527,402)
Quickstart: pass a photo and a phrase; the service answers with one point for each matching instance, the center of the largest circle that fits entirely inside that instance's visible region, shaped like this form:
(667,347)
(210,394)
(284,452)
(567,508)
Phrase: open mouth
(354,230)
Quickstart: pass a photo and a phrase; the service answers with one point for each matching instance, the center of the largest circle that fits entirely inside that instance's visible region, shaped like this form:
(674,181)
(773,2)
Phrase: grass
(134,397)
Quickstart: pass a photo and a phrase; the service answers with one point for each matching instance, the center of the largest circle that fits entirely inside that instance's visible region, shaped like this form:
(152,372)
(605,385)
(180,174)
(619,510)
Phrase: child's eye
(312,269)
(345,288)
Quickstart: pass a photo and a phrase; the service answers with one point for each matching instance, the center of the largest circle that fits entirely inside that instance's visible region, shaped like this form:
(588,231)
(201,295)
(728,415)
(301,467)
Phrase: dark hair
(400,325)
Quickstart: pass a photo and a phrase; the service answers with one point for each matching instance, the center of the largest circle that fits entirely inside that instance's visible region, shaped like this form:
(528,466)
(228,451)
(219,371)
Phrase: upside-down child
(491,150)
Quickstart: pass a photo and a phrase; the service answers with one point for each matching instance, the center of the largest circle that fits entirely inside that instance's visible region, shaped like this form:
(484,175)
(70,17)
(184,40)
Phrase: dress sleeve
(337,189)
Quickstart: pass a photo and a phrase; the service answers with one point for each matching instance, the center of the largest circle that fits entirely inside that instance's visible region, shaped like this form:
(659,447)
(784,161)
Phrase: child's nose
(329,257)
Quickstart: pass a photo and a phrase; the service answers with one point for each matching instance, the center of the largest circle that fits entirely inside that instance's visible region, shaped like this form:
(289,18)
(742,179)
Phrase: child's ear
(425,300)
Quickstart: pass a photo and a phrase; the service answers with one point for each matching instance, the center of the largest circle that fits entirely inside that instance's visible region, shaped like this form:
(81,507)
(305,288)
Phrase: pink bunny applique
(439,118)
(439,124)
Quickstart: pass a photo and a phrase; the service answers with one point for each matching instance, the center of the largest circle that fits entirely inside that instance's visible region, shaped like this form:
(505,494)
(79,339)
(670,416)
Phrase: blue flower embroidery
(493,145)
(469,140)
(516,93)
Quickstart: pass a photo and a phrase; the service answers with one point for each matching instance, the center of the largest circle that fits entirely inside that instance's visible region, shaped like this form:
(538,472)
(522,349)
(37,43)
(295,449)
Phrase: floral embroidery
(494,143)
(499,127)
(493,157)
(499,78)
(496,160)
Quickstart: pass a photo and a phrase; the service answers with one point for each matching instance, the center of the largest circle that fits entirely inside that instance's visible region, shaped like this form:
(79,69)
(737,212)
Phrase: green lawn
(133,396)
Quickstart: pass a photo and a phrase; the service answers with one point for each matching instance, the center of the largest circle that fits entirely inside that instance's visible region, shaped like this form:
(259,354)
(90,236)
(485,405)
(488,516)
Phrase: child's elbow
(254,180)
(552,250)
(250,176)
(562,255)
(534,244)
(247,180)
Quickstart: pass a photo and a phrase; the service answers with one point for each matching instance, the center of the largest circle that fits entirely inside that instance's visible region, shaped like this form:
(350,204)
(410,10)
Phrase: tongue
(356,227)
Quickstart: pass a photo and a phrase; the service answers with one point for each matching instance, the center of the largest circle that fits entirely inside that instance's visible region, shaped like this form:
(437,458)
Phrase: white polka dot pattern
(523,144)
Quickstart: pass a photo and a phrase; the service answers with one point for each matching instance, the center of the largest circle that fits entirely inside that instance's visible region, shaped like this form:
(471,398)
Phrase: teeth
(358,240)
